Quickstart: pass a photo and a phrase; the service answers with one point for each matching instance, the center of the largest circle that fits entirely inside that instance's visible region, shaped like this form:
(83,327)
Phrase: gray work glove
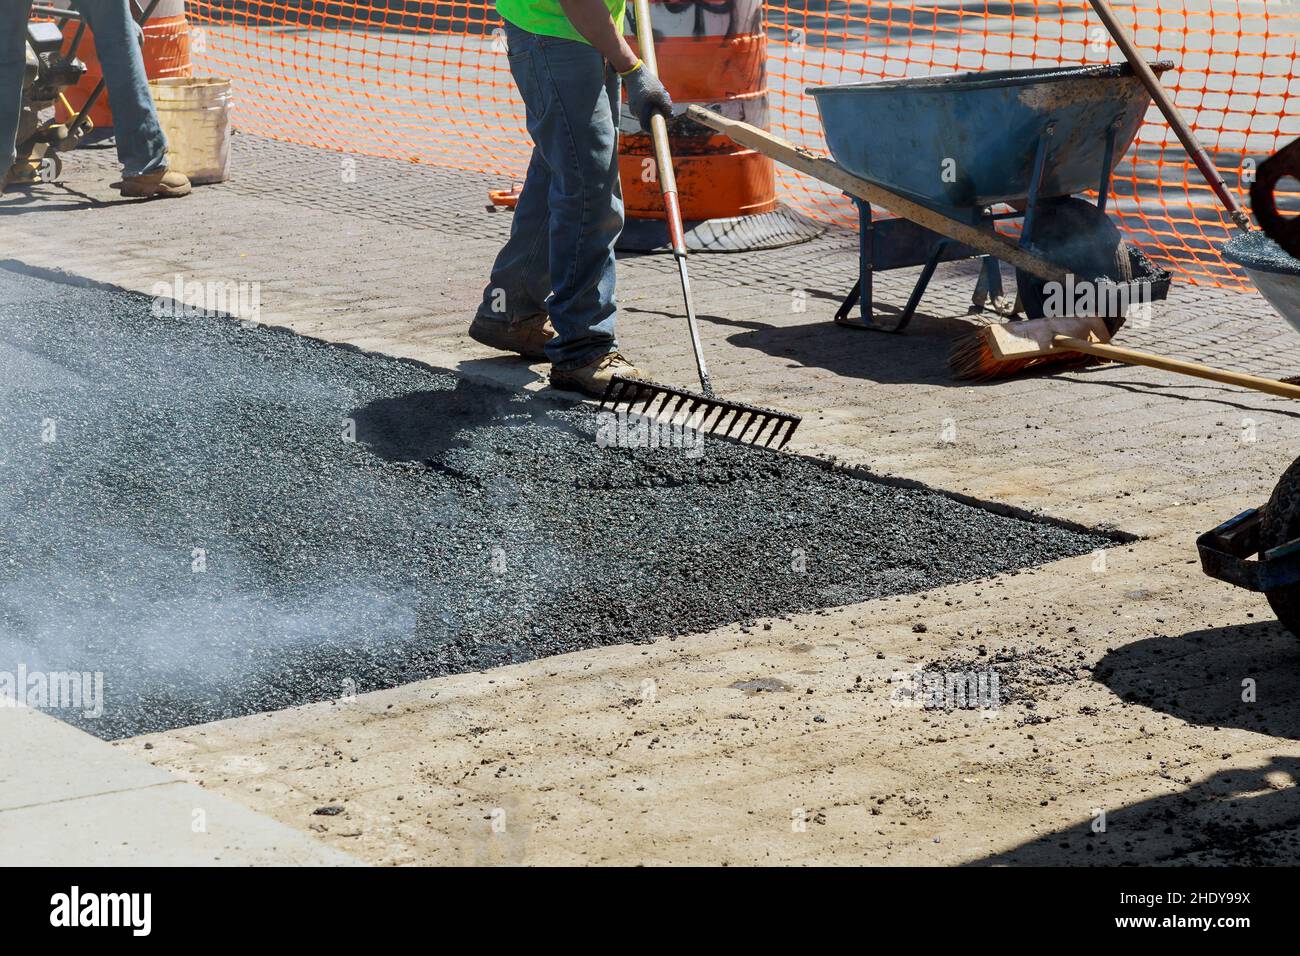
(646,95)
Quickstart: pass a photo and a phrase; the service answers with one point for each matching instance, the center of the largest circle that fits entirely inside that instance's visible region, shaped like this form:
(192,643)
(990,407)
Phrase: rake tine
(690,415)
(611,391)
(748,421)
(763,422)
(735,420)
(672,416)
(718,422)
(668,397)
(788,432)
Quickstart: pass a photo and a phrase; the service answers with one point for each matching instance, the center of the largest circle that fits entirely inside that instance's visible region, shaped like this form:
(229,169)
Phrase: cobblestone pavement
(1146,719)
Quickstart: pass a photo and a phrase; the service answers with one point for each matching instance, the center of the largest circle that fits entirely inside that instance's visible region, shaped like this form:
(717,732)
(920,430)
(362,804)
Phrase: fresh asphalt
(223,518)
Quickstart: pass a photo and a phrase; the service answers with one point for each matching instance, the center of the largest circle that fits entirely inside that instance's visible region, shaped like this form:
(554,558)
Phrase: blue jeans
(141,145)
(560,255)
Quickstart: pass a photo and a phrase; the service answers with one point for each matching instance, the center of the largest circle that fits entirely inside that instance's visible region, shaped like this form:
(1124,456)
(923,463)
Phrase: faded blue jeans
(141,145)
(570,212)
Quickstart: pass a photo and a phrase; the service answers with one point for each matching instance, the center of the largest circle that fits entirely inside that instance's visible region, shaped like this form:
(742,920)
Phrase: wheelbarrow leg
(922,283)
(862,291)
(1036,183)
(861,294)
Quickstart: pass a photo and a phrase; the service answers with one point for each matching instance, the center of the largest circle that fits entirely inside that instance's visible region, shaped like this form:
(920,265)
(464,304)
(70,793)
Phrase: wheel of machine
(1079,236)
(1281,523)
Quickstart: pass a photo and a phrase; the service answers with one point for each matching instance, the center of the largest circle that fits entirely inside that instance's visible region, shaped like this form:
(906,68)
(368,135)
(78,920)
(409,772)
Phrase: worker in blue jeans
(141,144)
(551,293)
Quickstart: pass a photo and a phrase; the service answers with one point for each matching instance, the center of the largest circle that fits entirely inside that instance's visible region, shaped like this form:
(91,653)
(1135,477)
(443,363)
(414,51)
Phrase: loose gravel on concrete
(224,518)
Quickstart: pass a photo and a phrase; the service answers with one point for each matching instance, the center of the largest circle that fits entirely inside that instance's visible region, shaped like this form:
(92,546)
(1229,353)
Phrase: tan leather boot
(165,184)
(528,337)
(591,379)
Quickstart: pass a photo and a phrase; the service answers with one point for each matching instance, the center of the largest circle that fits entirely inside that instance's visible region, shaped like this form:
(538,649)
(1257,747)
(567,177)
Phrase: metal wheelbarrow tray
(964,140)
(941,152)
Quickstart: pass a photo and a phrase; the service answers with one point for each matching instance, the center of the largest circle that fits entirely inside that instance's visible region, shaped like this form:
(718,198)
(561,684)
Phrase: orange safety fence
(429,82)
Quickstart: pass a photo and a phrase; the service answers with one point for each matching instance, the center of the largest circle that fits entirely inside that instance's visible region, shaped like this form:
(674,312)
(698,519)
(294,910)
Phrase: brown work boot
(592,378)
(160,185)
(528,337)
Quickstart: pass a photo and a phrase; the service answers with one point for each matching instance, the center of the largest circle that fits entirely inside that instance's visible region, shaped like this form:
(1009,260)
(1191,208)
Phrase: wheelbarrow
(973,150)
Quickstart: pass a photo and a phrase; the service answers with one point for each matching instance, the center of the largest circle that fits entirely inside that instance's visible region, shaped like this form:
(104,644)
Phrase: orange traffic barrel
(166,54)
(716,57)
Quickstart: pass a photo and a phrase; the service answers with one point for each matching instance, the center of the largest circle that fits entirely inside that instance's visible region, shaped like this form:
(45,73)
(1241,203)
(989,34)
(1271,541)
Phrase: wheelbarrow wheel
(1082,238)
(1281,523)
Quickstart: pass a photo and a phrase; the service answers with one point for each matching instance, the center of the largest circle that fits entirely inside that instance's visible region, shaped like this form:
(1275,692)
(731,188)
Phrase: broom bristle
(972,359)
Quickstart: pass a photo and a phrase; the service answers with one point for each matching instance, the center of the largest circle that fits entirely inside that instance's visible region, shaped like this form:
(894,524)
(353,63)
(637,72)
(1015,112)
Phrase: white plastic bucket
(195,115)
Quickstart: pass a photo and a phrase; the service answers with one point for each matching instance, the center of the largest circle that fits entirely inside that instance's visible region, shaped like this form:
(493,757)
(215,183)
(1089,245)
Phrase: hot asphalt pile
(225,519)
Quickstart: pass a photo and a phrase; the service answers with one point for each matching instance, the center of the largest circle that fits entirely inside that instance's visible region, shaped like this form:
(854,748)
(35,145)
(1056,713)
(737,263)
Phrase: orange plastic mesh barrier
(429,82)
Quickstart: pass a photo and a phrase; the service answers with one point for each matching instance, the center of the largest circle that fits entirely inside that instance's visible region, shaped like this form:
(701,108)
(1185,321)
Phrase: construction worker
(551,293)
(141,144)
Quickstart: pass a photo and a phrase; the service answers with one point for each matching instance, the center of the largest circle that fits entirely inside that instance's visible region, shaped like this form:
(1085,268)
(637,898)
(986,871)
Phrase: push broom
(995,351)
(704,411)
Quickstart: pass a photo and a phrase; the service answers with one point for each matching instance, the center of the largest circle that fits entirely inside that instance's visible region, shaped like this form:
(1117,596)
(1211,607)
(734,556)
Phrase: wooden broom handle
(1133,357)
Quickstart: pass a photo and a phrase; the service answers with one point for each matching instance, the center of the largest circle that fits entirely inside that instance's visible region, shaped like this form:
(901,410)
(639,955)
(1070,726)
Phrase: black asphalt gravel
(183,511)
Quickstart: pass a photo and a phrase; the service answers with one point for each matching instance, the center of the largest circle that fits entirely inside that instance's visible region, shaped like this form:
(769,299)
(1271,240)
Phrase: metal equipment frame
(1226,553)
(899,243)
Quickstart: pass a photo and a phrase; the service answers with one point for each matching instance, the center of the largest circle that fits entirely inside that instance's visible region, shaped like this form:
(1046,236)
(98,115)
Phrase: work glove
(646,95)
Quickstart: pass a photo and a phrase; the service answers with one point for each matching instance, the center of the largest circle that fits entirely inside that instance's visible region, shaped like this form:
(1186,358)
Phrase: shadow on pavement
(1244,816)
(424,426)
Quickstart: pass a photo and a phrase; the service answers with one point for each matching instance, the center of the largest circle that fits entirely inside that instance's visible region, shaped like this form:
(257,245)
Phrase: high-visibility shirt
(547,17)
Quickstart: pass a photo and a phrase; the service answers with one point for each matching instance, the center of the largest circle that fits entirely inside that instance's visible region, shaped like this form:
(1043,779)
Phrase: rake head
(702,413)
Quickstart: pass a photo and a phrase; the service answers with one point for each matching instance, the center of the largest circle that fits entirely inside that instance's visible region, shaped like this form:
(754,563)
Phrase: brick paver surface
(395,262)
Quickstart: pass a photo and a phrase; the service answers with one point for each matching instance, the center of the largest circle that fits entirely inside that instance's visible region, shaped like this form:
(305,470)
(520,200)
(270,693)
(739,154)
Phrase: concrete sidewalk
(70,799)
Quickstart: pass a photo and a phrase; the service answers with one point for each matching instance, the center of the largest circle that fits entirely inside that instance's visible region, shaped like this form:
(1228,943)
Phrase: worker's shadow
(1245,677)
(426,426)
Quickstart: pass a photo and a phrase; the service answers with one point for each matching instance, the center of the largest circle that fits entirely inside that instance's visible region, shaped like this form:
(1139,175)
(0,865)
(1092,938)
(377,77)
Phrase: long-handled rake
(638,391)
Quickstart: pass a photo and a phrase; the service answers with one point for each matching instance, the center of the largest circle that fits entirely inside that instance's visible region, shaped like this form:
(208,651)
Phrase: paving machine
(49,72)
(52,67)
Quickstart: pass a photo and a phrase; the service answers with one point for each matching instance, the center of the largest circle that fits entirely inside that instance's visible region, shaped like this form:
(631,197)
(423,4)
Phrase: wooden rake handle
(1065,343)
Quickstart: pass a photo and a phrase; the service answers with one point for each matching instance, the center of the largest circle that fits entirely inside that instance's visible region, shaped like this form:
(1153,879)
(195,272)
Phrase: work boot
(592,378)
(165,184)
(528,337)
